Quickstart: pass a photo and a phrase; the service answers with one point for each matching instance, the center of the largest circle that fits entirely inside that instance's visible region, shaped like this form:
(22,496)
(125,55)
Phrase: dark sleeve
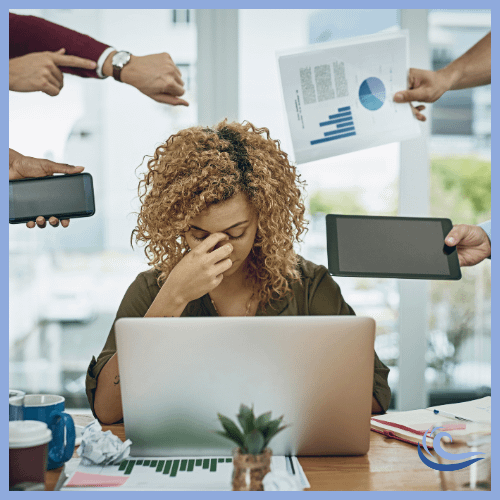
(135,304)
(29,34)
(325,298)
(381,389)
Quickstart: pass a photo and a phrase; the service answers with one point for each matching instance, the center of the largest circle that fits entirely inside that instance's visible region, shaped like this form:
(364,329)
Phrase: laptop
(177,374)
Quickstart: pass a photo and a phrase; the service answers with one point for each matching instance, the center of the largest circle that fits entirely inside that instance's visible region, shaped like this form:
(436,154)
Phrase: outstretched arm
(473,68)
(472,242)
(29,34)
(40,71)
(470,70)
(155,75)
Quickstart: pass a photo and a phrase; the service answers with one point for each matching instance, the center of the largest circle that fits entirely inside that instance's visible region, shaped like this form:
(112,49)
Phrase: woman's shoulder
(309,270)
(147,279)
(318,293)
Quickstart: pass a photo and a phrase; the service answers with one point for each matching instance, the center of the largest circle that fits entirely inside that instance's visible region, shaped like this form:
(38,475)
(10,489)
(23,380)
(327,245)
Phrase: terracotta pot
(249,470)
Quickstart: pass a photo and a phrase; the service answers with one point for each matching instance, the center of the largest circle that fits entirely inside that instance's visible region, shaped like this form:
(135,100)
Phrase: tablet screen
(390,247)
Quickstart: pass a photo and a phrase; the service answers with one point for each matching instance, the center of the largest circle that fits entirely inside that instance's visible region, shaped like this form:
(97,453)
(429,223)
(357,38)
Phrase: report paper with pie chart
(338,96)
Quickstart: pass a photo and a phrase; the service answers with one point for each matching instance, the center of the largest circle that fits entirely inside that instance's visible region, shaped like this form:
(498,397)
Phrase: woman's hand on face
(200,271)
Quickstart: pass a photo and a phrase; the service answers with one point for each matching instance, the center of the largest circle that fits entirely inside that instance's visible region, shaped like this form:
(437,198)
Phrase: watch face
(121,58)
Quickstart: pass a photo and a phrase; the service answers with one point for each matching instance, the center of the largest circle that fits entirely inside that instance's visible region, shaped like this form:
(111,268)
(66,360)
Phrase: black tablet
(390,247)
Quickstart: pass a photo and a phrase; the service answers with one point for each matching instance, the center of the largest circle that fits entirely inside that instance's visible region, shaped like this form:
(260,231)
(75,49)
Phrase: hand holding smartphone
(59,196)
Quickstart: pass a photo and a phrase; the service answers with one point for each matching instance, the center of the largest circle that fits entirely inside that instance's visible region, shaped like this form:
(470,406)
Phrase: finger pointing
(74,61)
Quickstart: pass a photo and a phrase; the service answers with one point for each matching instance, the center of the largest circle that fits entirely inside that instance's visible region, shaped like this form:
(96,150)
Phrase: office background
(66,284)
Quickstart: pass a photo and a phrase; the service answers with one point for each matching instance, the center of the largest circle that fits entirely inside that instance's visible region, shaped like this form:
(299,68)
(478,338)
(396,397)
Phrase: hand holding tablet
(390,247)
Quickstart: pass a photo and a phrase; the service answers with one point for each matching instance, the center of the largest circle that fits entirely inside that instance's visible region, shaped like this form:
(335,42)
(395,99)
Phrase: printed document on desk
(170,473)
(338,96)
(410,426)
(477,410)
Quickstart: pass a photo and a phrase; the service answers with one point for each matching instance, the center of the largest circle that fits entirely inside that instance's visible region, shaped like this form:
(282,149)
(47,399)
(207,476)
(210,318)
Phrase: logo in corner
(436,443)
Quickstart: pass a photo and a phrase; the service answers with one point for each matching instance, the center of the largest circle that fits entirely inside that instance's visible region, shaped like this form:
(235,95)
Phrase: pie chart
(372,93)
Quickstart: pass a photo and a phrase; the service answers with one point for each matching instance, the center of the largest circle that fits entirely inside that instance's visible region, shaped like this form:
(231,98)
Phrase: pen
(450,415)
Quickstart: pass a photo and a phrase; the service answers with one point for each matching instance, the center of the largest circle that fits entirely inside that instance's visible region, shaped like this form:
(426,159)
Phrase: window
(365,182)
(459,350)
(181,16)
(66,284)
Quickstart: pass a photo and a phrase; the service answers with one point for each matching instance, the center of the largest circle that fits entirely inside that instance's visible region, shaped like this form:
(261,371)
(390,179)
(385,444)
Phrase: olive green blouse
(316,294)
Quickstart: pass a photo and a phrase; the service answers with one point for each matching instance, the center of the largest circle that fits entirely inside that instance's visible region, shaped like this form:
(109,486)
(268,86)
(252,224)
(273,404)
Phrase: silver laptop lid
(177,373)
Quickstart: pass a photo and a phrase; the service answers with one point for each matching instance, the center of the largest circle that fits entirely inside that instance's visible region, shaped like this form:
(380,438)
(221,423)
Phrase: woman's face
(236,218)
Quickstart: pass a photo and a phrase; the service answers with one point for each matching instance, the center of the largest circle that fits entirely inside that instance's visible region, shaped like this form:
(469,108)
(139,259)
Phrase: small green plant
(257,432)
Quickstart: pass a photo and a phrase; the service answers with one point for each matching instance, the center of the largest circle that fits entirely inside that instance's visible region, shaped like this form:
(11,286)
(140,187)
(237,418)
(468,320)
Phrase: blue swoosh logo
(436,442)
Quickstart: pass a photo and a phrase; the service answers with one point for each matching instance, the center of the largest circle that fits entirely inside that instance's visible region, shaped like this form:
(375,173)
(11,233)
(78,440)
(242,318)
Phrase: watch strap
(117,71)
(117,68)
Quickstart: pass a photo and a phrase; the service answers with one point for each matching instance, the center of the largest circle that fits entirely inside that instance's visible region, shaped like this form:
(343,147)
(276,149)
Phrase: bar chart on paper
(173,466)
(179,473)
(151,473)
(342,123)
(338,97)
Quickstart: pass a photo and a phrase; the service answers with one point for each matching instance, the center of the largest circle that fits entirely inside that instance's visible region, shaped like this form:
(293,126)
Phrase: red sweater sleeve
(29,34)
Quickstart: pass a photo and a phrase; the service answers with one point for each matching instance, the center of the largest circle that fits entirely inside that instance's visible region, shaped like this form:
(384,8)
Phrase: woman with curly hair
(221,210)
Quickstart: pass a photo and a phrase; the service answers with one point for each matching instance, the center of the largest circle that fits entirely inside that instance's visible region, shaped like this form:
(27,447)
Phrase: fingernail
(398,96)
(451,240)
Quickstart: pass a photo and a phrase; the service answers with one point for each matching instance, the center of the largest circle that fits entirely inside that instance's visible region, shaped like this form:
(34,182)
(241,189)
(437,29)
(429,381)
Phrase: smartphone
(63,196)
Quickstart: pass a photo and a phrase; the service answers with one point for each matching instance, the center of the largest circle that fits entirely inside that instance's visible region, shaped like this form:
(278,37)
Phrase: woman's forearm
(376,408)
(107,400)
(108,396)
(166,305)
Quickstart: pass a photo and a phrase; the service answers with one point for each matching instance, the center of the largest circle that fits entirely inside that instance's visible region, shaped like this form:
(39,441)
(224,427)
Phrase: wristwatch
(120,59)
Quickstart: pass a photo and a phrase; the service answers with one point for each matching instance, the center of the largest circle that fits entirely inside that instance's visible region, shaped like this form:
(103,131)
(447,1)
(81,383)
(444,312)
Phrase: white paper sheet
(477,410)
(172,473)
(339,96)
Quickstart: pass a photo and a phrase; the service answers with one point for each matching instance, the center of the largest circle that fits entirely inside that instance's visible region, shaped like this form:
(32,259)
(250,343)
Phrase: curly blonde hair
(198,167)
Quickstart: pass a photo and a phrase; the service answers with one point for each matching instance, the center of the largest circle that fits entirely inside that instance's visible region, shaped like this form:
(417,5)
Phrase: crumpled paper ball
(101,448)
(281,481)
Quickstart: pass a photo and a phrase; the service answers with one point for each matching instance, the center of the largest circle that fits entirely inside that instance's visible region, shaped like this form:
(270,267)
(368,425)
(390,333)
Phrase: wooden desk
(389,465)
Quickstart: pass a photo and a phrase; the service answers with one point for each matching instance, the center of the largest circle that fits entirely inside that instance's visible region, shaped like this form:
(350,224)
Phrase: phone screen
(69,195)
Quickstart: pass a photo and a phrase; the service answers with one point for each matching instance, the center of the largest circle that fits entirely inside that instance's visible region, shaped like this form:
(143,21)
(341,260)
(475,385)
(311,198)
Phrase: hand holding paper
(339,96)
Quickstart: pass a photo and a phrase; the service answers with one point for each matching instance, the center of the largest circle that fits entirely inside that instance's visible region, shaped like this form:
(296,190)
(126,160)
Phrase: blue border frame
(290,4)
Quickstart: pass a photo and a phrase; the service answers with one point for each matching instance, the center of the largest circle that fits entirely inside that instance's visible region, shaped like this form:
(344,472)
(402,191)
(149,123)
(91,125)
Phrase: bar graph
(344,126)
(170,473)
(172,467)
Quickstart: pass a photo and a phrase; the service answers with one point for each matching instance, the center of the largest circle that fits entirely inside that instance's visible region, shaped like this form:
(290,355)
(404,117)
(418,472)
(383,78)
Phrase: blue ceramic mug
(50,409)
(16,404)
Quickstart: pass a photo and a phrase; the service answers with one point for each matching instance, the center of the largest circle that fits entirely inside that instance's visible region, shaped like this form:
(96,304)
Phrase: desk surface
(389,465)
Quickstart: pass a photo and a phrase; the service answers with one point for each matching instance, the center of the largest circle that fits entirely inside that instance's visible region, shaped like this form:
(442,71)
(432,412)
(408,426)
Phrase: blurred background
(66,284)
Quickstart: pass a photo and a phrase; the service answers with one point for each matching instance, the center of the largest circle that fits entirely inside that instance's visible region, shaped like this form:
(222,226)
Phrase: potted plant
(251,457)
